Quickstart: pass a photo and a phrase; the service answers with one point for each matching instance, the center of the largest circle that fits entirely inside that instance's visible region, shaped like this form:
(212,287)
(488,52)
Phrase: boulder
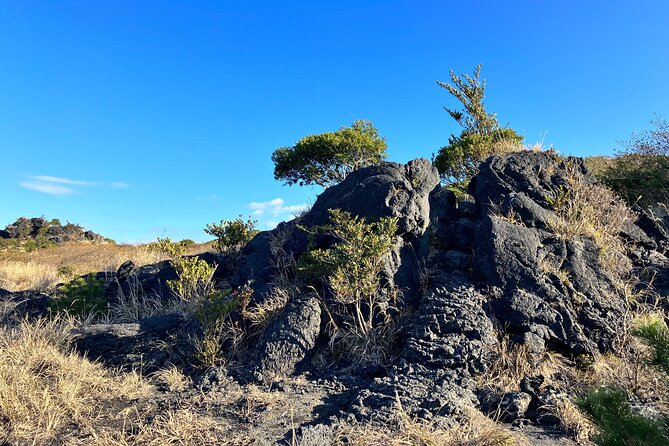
(290,338)
(17,306)
(147,345)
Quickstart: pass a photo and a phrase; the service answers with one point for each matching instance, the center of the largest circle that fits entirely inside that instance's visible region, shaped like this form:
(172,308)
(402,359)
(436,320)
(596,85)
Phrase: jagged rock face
(30,228)
(528,263)
(386,190)
(290,338)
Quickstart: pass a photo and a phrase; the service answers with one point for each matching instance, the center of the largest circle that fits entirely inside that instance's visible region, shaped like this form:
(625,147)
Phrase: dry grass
(512,363)
(259,316)
(47,390)
(17,275)
(172,378)
(594,211)
(39,269)
(476,430)
(175,427)
(572,420)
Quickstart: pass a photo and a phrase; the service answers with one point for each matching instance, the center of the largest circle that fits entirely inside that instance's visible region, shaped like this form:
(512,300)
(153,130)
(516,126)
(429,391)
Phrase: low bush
(212,313)
(618,424)
(232,235)
(609,408)
(193,278)
(639,172)
(459,161)
(81,297)
(193,274)
(351,269)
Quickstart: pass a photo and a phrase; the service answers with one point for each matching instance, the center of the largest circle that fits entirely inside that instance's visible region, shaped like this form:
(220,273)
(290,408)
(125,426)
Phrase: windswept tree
(481,137)
(327,158)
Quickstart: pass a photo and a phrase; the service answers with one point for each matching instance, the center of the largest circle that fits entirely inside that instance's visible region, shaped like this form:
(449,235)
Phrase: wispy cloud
(275,207)
(53,185)
(50,179)
(48,188)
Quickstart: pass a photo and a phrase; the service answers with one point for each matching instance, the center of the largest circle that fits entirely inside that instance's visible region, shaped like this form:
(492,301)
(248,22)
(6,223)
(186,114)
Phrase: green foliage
(459,161)
(232,235)
(82,297)
(65,271)
(481,136)
(193,274)
(639,173)
(54,222)
(470,92)
(187,243)
(39,242)
(656,334)
(638,178)
(327,158)
(618,423)
(193,278)
(211,312)
(167,247)
(352,269)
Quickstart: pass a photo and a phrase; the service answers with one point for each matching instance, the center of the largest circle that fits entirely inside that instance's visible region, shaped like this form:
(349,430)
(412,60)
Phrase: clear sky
(146,118)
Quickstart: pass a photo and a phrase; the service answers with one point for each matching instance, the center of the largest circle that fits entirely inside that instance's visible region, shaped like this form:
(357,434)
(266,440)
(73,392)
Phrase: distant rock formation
(52,231)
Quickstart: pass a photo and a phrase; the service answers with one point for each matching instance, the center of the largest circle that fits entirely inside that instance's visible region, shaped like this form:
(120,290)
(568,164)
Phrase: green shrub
(65,271)
(481,136)
(167,247)
(193,274)
(656,334)
(351,268)
(618,424)
(187,243)
(193,278)
(327,158)
(212,312)
(81,297)
(639,179)
(459,161)
(232,235)
(609,408)
(640,172)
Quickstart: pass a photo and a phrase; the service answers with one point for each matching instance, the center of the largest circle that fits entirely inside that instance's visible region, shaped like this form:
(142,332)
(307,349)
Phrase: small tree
(352,270)
(481,136)
(232,235)
(327,158)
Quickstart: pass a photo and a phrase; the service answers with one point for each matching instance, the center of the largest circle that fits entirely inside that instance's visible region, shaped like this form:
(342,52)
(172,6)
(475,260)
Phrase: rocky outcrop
(53,231)
(149,345)
(469,273)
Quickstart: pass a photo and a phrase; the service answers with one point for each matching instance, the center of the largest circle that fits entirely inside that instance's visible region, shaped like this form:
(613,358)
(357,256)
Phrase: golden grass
(39,269)
(172,378)
(47,390)
(572,420)
(476,430)
(594,211)
(512,363)
(175,427)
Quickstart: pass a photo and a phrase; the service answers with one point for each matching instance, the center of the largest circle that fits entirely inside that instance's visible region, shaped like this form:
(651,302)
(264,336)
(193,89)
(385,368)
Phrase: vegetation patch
(351,269)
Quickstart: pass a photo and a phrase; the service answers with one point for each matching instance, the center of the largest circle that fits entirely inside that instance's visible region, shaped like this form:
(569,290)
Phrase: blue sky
(140,119)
